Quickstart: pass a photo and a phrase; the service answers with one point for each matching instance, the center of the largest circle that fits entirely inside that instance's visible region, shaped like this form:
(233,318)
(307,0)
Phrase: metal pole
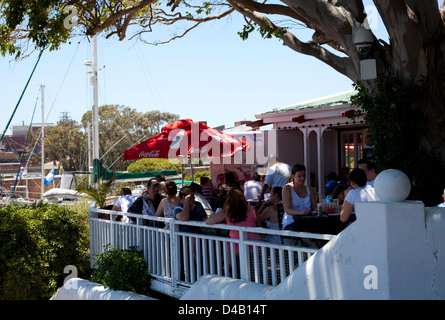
(90,162)
(42,87)
(96,104)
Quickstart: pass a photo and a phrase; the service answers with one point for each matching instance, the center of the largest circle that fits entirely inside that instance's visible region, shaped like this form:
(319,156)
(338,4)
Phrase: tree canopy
(414,58)
(120,128)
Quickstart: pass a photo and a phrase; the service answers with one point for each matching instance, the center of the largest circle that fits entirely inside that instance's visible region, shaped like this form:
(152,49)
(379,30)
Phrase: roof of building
(332,100)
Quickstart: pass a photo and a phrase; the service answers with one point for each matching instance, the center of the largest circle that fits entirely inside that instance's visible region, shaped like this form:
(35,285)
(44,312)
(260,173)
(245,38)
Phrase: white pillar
(307,153)
(320,152)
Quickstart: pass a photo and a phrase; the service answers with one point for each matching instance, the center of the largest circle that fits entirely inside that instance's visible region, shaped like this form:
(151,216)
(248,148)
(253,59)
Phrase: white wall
(393,251)
(80,289)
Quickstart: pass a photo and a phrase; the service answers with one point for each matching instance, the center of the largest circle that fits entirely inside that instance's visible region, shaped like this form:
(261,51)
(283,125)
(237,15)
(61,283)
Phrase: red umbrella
(186,138)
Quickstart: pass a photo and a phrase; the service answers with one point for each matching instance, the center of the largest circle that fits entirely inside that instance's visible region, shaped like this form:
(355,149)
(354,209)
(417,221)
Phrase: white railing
(180,258)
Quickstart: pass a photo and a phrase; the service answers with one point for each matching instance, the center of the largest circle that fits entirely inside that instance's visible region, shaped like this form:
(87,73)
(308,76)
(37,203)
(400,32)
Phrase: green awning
(99,171)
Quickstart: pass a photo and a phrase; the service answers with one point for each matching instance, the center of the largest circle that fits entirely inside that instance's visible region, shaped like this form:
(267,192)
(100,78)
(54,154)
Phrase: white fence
(179,258)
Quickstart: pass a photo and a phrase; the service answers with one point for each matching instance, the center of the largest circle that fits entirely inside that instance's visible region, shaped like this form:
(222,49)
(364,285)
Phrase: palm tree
(99,193)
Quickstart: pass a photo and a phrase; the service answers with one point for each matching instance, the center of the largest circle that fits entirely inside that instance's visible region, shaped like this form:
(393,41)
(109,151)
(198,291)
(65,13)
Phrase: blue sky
(209,75)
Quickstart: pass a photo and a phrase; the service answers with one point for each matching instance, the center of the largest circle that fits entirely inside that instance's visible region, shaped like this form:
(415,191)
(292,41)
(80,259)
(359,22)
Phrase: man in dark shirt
(149,201)
(189,210)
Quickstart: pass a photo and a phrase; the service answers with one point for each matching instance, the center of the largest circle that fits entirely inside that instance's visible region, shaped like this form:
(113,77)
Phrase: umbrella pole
(182,171)
(191,168)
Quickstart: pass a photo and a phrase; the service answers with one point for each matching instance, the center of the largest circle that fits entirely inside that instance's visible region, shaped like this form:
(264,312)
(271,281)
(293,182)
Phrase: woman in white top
(298,199)
(359,191)
(168,203)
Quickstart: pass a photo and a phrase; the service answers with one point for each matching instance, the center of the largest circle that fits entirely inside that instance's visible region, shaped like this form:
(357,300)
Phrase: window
(351,148)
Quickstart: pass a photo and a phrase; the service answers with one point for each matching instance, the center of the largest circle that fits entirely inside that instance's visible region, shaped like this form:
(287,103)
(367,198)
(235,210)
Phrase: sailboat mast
(42,87)
(96,104)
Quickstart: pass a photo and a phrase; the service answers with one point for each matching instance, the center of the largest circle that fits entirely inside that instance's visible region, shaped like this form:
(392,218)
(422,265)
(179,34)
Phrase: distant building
(320,134)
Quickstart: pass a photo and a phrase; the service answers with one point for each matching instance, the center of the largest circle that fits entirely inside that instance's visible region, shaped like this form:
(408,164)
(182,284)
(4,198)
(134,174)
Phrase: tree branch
(168,19)
(355,7)
(130,11)
(428,17)
(406,39)
(343,65)
(334,22)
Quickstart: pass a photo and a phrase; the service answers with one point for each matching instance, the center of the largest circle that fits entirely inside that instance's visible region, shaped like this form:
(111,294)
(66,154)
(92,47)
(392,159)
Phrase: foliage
(38,242)
(44,27)
(122,270)
(99,193)
(119,129)
(122,127)
(149,164)
(81,205)
(196,175)
(65,143)
(396,128)
(265,31)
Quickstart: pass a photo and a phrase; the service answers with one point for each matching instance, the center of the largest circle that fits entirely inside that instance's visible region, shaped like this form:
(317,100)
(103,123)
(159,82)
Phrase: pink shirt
(250,221)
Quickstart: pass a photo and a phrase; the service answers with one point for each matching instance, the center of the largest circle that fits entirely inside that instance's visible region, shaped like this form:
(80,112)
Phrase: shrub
(123,269)
(37,243)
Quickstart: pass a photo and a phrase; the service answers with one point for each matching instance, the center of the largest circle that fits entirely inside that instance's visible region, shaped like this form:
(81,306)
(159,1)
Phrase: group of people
(289,196)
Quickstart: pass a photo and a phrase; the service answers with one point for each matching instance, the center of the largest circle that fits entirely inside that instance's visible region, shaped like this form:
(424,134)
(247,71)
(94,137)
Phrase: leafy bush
(122,270)
(150,164)
(37,243)
(396,129)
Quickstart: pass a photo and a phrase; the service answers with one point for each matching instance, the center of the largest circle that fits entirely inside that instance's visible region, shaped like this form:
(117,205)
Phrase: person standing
(124,202)
(277,175)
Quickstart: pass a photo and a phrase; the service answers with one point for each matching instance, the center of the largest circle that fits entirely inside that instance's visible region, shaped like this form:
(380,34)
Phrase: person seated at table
(369,165)
(359,191)
(339,193)
(442,205)
(148,202)
(207,188)
(271,213)
(252,188)
(331,183)
(268,211)
(236,212)
(189,210)
(171,200)
(298,198)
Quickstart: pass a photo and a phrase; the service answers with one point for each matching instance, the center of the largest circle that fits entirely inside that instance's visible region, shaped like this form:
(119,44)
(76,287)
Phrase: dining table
(324,224)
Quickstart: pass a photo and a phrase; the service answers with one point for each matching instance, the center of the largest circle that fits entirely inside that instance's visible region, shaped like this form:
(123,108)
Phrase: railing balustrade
(180,258)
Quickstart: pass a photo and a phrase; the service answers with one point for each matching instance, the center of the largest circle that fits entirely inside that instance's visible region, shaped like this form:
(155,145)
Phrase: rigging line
(63,81)
(21,96)
(146,78)
(112,147)
(23,152)
(109,168)
(151,76)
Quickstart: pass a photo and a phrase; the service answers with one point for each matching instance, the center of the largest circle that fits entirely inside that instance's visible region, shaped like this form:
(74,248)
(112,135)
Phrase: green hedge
(122,269)
(37,243)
